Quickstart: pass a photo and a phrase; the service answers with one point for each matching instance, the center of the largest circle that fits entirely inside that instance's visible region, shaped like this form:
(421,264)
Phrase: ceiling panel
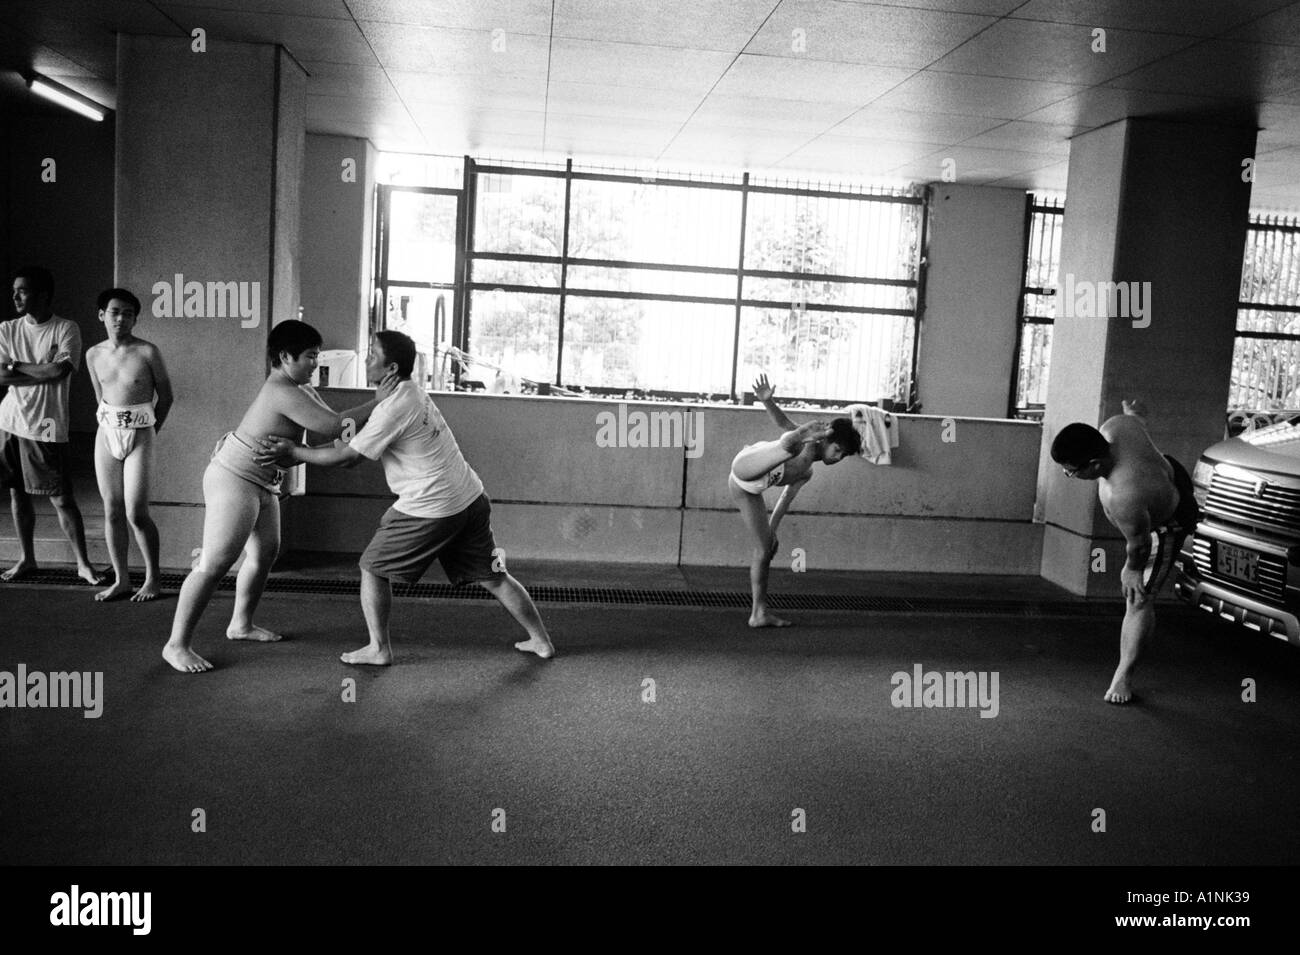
(630,64)
(1194,17)
(1251,71)
(1028,137)
(101,61)
(1058,52)
(911,126)
(307,38)
(347,79)
(512,16)
(717,82)
(993,8)
(862,33)
(57,21)
(1051,178)
(44,60)
(478,121)
(1282,26)
(981,161)
(1101,105)
(504,92)
(874,156)
(768,113)
(721,25)
(997,97)
(569,127)
(460,52)
(812,81)
(335,9)
(603,101)
(723,148)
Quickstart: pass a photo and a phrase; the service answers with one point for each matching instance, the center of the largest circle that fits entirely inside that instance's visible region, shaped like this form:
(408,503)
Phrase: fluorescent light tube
(67,98)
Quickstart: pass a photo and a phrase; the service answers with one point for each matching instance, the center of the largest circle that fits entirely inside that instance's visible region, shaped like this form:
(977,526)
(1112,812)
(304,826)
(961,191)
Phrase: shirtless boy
(127,373)
(785,463)
(242,496)
(1149,498)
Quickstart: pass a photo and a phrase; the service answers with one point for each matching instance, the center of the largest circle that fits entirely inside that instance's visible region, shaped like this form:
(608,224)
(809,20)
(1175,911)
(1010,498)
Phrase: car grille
(1272,571)
(1276,509)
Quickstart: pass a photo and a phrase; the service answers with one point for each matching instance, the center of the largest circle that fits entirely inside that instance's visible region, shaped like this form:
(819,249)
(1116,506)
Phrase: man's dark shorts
(405,546)
(1167,541)
(38,467)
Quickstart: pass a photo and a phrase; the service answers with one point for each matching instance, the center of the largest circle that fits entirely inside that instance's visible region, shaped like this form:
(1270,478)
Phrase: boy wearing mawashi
(785,463)
(1150,498)
(128,375)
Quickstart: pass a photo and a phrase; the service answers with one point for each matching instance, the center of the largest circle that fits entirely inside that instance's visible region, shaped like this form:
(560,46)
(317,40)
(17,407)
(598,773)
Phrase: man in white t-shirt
(39,353)
(441,511)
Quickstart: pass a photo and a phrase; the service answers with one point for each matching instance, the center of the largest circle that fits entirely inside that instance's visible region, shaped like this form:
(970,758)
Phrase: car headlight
(1203,472)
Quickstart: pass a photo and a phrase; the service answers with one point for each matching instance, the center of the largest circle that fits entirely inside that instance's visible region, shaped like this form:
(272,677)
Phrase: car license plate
(1237,562)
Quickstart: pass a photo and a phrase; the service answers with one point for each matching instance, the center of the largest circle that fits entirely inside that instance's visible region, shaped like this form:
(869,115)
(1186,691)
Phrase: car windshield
(1280,438)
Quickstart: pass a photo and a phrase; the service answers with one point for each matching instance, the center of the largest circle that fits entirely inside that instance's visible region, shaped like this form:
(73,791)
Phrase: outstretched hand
(387,386)
(813,431)
(793,441)
(275,450)
(763,389)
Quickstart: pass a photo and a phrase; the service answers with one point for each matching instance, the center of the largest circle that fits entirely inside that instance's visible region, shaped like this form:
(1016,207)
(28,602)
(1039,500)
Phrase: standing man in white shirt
(39,353)
(441,511)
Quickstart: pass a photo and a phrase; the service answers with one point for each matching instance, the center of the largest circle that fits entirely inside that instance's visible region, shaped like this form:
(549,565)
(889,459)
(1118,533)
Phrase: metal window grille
(667,284)
(1045,222)
(1266,356)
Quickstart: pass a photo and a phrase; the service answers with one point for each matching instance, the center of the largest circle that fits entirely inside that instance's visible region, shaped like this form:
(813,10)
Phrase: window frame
(465,284)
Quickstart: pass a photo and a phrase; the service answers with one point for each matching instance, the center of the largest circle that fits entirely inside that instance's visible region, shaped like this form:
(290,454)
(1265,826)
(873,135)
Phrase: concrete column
(56,200)
(336,225)
(1160,207)
(968,332)
(209,173)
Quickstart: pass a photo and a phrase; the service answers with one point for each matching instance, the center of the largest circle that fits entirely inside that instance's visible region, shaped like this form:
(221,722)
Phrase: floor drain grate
(614,596)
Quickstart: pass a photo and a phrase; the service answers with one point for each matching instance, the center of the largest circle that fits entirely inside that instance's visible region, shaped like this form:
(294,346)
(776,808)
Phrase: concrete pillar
(56,200)
(968,332)
(1156,202)
(336,225)
(209,174)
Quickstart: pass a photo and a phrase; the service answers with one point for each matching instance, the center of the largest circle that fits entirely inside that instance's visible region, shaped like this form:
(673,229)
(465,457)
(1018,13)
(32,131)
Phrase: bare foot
(18,570)
(370,655)
(149,590)
(185,660)
(762,618)
(1119,691)
(542,648)
(120,588)
(91,576)
(257,634)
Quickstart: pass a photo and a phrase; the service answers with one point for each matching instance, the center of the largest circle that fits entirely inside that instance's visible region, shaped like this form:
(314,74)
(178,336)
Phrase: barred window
(686,286)
(1266,356)
(1046,221)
